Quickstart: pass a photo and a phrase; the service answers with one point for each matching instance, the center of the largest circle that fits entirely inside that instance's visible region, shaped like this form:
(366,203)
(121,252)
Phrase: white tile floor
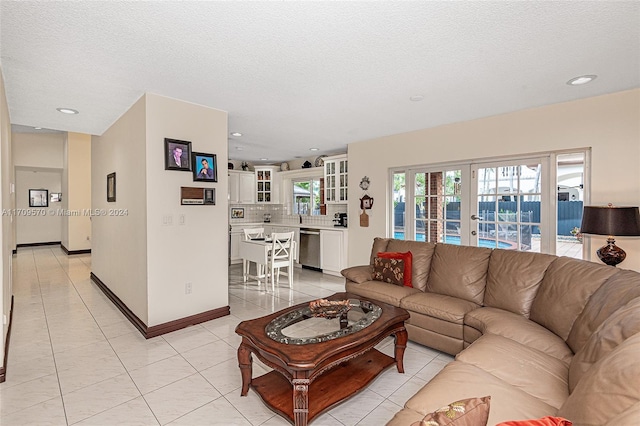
(75,359)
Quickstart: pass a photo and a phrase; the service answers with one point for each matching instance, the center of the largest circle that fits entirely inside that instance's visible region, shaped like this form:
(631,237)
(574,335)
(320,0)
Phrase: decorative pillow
(407,257)
(545,421)
(468,412)
(388,270)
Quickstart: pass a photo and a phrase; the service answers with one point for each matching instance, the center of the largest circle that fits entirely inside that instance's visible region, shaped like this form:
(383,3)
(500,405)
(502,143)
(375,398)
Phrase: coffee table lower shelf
(328,389)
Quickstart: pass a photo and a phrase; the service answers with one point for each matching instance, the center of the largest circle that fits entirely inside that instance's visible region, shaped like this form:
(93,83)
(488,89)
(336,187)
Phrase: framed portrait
(204,167)
(177,155)
(111,187)
(237,213)
(38,198)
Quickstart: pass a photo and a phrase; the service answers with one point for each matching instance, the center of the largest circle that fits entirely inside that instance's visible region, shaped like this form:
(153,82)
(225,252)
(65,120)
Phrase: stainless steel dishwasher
(310,248)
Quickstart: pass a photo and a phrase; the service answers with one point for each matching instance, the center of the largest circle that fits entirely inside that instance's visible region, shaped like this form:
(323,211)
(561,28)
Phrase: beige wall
(119,243)
(144,262)
(38,149)
(195,252)
(6,198)
(46,227)
(608,124)
(76,183)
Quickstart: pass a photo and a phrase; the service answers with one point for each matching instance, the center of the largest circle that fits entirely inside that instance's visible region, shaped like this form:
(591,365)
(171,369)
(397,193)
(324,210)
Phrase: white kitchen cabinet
(335,179)
(242,187)
(237,234)
(267,190)
(333,251)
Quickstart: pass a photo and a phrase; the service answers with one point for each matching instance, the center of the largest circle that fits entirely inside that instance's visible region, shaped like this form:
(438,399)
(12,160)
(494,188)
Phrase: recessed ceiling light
(263,159)
(416,98)
(239,148)
(583,79)
(236,134)
(314,149)
(67,110)
(37,128)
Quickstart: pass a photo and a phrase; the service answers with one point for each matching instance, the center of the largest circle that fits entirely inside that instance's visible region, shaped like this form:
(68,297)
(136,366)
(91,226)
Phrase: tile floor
(75,359)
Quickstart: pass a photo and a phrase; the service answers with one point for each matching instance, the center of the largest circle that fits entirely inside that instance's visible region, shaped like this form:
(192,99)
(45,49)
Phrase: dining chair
(251,234)
(283,248)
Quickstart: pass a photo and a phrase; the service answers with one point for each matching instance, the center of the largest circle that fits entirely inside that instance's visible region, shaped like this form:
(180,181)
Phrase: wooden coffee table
(318,366)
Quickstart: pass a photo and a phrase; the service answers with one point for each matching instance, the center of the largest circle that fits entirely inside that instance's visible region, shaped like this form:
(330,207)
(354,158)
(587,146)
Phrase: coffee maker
(340,219)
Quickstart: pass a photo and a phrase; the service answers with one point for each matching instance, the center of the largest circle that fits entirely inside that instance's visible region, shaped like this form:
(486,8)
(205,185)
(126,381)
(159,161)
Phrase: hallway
(75,359)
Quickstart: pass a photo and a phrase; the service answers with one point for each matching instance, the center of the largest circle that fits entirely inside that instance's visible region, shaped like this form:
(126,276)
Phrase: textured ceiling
(296,75)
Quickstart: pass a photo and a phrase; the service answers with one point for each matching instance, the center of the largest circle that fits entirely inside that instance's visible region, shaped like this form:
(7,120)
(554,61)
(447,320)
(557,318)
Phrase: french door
(510,203)
(504,204)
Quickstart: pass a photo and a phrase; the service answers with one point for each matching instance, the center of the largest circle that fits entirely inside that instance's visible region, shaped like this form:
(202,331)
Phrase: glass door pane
(570,172)
(437,200)
(508,206)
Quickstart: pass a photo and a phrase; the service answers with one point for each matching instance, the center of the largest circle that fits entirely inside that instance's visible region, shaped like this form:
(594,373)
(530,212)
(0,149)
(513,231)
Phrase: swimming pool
(454,239)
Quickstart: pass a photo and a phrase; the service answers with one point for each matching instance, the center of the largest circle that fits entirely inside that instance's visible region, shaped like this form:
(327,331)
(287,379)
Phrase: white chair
(250,234)
(283,248)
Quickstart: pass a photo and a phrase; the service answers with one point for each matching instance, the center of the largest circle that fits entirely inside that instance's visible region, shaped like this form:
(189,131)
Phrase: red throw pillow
(408,261)
(545,421)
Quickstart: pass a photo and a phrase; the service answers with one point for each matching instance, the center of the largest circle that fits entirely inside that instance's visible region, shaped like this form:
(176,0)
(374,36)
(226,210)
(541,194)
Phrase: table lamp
(611,221)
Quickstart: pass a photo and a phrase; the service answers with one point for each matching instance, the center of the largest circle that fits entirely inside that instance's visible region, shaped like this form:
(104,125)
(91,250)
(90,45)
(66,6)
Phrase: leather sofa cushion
(379,244)
(513,279)
(518,328)
(629,416)
(377,290)
(358,274)
(532,371)
(459,271)
(565,289)
(438,306)
(422,253)
(622,324)
(459,380)
(613,294)
(608,388)
(405,417)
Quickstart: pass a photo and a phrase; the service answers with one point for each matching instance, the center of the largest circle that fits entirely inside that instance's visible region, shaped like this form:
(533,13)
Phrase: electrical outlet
(182,219)
(188,288)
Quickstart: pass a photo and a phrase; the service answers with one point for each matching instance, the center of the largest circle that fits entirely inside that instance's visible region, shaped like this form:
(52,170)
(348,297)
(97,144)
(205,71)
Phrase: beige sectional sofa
(542,335)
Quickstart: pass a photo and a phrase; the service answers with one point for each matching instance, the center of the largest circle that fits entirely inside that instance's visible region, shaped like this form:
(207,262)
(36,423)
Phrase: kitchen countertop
(290,225)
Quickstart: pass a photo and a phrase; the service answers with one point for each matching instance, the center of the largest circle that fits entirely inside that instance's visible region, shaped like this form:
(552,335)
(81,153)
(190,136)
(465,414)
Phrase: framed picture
(111,187)
(210,196)
(177,155)
(38,198)
(204,167)
(237,213)
(55,197)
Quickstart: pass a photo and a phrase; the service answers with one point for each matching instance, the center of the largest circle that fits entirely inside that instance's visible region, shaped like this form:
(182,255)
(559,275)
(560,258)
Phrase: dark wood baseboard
(167,327)
(3,369)
(50,243)
(72,252)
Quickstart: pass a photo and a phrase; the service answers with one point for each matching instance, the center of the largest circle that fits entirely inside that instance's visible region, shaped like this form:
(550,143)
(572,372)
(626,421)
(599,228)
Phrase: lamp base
(611,254)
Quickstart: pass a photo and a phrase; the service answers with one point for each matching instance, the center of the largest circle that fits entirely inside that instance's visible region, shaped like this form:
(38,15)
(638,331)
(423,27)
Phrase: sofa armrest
(358,274)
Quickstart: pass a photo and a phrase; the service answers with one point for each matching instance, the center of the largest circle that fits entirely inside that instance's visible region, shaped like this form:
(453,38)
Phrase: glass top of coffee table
(301,327)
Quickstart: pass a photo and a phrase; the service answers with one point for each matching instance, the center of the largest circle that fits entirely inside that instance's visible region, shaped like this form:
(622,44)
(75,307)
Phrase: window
(306,197)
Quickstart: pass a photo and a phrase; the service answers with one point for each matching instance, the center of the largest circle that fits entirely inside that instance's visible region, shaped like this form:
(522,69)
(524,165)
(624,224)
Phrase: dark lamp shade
(613,221)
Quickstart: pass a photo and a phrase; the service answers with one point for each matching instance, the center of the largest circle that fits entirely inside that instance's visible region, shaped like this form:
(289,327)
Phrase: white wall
(76,184)
(609,124)
(195,252)
(119,243)
(47,225)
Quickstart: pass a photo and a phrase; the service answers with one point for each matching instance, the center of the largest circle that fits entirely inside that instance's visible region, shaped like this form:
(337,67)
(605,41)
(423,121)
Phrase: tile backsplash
(280,214)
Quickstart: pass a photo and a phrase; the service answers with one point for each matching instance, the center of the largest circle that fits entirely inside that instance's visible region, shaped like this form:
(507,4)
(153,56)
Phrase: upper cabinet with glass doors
(335,179)
(266,184)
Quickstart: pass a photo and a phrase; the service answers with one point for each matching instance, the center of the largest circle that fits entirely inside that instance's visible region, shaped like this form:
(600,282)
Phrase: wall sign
(190,196)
